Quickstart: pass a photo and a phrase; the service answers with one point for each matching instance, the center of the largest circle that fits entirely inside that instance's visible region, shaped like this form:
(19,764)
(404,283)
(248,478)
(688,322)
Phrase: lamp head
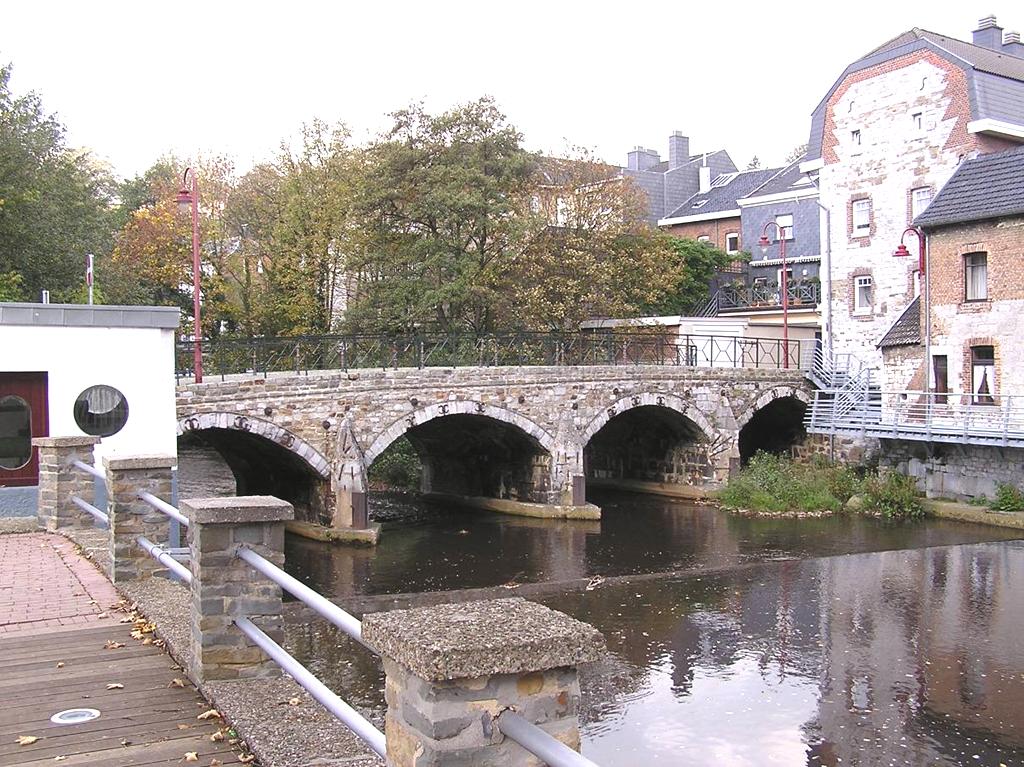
(184,200)
(901,251)
(764,243)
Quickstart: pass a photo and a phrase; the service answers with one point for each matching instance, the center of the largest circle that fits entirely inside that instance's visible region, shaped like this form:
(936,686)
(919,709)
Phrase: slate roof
(723,197)
(981,58)
(989,186)
(906,331)
(783,180)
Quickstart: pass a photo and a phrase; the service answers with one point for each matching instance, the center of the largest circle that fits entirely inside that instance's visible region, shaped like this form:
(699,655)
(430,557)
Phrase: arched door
(23,415)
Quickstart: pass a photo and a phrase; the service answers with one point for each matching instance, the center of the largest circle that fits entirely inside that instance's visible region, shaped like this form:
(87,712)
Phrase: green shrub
(398,467)
(893,495)
(1008,498)
(774,484)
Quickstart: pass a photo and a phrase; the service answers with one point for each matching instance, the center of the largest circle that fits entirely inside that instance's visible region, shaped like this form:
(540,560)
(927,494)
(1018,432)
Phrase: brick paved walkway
(46,586)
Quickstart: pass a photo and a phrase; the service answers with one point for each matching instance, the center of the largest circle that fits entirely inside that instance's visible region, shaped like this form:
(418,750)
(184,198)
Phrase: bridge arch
(773,423)
(647,399)
(265,459)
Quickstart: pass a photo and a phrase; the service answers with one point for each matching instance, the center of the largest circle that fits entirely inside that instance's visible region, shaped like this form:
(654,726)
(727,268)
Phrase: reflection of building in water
(924,644)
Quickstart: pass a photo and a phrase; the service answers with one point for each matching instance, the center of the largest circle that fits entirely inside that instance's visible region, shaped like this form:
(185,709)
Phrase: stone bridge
(524,439)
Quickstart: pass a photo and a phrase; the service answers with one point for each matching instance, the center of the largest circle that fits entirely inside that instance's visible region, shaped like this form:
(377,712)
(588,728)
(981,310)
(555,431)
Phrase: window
(863,294)
(940,371)
(861,218)
(101,411)
(916,121)
(975,276)
(983,374)
(732,242)
(785,224)
(855,137)
(919,200)
(15,432)
(704,238)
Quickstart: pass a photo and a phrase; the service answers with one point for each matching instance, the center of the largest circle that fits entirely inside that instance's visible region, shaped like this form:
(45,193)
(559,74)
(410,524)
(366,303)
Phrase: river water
(733,641)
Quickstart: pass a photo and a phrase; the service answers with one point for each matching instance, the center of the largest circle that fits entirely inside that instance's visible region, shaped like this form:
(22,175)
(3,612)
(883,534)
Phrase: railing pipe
(164,507)
(89,469)
(539,743)
(88,507)
(325,607)
(165,558)
(351,718)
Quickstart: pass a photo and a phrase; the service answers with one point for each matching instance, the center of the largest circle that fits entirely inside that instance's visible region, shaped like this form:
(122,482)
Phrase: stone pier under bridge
(523,440)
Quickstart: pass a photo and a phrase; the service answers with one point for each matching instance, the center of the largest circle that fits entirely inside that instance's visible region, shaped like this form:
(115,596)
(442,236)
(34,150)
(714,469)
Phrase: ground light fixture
(188,200)
(75,716)
(764,242)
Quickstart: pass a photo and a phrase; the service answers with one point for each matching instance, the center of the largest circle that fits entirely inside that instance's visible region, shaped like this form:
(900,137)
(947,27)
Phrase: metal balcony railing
(768,294)
(996,419)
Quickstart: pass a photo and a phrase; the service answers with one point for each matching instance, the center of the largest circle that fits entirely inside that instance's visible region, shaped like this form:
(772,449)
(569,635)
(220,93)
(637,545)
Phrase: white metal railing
(539,743)
(99,493)
(164,557)
(165,507)
(930,416)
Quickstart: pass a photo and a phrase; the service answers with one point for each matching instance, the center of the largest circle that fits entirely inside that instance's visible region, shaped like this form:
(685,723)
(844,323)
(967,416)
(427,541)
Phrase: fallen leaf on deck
(125,742)
(177,682)
(26,740)
(191,756)
(60,664)
(294,701)
(209,714)
(112,645)
(184,727)
(217,736)
(246,758)
(59,758)
(215,762)
(115,686)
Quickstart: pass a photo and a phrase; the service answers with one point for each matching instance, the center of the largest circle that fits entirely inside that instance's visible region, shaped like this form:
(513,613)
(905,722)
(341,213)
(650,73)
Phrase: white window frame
(915,208)
(704,238)
(862,281)
(969,294)
(735,247)
(862,228)
(784,221)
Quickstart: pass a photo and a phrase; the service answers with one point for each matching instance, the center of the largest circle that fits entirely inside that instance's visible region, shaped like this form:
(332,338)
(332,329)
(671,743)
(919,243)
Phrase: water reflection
(905,655)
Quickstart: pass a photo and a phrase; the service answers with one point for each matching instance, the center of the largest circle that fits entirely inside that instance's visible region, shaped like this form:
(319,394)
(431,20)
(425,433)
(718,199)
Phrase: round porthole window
(15,432)
(101,411)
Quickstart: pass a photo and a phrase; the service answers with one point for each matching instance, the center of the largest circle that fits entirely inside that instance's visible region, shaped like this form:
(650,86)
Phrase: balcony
(741,297)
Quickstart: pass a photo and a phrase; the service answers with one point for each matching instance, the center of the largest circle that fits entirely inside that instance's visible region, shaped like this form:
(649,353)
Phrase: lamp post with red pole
(922,263)
(188,198)
(764,242)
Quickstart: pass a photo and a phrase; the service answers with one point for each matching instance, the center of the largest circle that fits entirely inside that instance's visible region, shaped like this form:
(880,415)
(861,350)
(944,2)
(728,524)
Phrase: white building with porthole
(71,370)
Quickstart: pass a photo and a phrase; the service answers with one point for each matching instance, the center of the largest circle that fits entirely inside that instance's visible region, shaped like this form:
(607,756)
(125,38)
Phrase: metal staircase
(846,398)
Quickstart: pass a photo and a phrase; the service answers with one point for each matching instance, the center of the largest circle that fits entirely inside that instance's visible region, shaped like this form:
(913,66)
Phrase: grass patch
(1008,498)
(772,484)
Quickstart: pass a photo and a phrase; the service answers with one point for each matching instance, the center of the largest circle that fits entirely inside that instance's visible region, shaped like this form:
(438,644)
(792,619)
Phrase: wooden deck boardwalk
(63,646)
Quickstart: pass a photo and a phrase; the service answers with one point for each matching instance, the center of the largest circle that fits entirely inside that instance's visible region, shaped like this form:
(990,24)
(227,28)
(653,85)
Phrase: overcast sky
(134,80)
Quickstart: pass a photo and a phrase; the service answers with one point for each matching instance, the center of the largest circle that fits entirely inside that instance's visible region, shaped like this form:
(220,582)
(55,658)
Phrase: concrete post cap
(83,441)
(239,510)
(130,462)
(473,639)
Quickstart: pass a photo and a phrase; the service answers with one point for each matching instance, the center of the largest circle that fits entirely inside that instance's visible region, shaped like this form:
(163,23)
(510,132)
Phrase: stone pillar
(225,587)
(453,669)
(59,480)
(131,517)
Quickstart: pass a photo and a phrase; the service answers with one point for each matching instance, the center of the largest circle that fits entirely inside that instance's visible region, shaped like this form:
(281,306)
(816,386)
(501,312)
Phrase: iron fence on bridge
(299,354)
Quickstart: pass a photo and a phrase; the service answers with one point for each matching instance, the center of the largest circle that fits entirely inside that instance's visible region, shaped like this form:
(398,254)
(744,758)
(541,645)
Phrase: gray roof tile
(723,197)
(981,58)
(906,331)
(989,186)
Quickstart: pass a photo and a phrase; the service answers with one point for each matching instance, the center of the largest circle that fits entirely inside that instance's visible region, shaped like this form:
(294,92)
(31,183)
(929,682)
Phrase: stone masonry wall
(960,472)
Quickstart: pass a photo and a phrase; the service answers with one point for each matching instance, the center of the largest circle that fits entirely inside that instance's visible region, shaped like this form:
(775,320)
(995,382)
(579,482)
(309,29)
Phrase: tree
(593,254)
(697,262)
(796,153)
(440,208)
(55,203)
(755,163)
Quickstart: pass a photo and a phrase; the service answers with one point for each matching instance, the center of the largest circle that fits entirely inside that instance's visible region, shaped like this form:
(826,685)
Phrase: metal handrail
(165,558)
(539,743)
(163,506)
(89,469)
(88,507)
(325,607)
(351,718)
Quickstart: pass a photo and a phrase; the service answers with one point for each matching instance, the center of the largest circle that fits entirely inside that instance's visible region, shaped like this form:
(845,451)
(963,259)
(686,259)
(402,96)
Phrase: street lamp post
(188,199)
(764,242)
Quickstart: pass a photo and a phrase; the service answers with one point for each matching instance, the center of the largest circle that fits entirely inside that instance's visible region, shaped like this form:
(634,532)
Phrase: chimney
(1012,46)
(703,179)
(989,34)
(642,159)
(678,150)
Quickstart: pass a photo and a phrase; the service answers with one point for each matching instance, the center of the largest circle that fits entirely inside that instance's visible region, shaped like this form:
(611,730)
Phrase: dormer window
(700,203)
(916,121)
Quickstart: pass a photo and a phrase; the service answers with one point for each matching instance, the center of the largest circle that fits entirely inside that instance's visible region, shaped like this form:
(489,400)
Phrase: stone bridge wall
(346,420)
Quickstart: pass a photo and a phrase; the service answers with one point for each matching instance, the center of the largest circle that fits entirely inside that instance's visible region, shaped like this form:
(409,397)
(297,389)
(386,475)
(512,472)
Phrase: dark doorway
(775,428)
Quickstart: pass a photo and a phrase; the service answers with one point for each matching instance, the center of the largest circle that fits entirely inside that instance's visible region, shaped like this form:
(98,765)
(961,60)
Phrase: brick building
(885,138)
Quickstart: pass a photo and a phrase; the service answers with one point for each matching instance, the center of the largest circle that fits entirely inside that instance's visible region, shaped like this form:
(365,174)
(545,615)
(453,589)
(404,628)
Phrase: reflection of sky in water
(743,714)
